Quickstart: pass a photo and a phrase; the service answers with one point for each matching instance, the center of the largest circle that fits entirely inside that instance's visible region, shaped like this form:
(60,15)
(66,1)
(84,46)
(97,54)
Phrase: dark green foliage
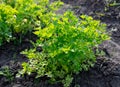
(6,72)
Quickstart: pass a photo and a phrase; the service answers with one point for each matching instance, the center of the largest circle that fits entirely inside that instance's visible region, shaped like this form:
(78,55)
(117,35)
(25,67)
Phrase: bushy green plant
(6,72)
(67,47)
(7,18)
(22,16)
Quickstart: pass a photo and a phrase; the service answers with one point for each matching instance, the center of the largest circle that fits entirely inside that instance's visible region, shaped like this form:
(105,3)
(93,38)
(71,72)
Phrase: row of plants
(66,40)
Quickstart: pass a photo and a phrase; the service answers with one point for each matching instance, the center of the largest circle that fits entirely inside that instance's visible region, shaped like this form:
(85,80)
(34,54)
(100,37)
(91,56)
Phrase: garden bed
(105,73)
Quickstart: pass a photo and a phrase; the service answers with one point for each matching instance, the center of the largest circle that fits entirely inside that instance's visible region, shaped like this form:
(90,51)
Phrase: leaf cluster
(67,43)
(22,16)
(6,72)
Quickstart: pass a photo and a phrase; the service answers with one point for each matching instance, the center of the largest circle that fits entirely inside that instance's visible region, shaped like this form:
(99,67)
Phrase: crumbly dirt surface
(105,73)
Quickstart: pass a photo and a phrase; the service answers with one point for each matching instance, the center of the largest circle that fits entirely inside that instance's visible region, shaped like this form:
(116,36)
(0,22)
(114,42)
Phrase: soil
(105,73)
